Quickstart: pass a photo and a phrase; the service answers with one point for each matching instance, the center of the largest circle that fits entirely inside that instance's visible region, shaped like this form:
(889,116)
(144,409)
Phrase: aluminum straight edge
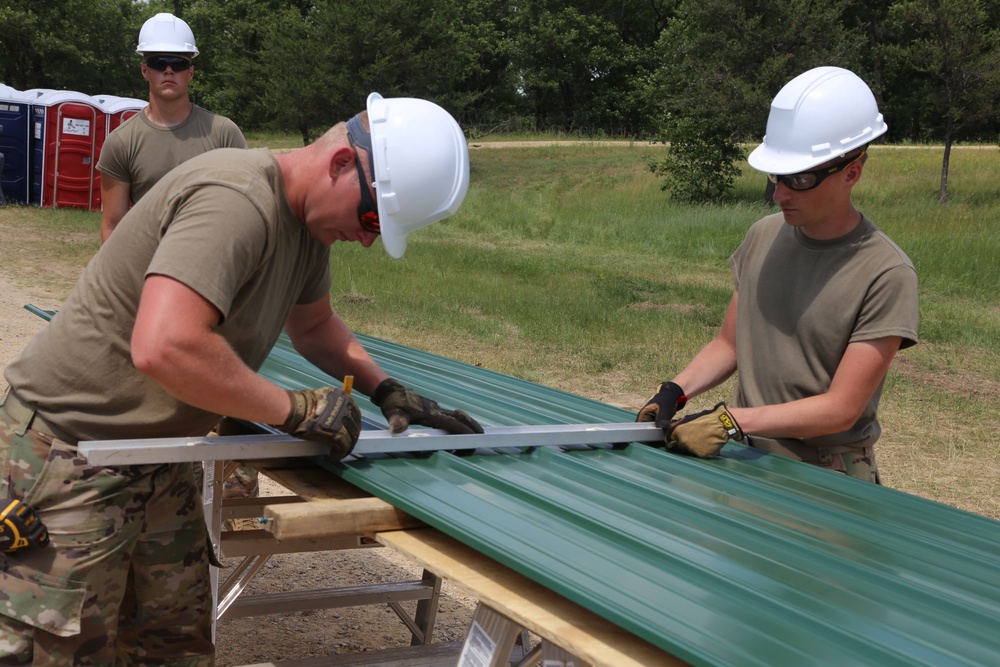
(267,446)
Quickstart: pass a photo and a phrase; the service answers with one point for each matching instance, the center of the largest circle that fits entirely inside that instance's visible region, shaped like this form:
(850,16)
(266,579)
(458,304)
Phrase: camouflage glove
(704,434)
(327,415)
(402,407)
(662,407)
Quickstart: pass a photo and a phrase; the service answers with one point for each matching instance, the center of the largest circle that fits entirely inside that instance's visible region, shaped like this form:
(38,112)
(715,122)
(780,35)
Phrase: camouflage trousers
(125,579)
(851,461)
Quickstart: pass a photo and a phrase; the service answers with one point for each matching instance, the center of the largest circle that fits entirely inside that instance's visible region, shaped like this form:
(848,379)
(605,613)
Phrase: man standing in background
(169,131)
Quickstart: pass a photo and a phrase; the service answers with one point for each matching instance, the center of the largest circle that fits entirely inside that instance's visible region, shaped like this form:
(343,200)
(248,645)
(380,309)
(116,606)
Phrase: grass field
(568,266)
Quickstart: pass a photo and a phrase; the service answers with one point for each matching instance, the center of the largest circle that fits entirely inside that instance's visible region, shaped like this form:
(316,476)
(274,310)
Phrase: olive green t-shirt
(220,224)
(140,152)
(802,301)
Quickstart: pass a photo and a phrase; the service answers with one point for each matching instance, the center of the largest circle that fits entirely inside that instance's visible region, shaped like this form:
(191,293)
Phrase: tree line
(699,74)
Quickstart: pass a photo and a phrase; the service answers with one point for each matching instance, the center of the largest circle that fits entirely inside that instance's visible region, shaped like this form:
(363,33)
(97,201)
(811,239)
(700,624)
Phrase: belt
(28,418)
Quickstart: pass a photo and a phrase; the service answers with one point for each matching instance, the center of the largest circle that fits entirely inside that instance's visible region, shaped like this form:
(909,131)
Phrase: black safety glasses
(367,209)
(807,180)
(161,63)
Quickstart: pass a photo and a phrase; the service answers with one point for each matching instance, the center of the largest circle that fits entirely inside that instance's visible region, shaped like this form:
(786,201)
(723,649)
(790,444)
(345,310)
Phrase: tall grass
(570,267)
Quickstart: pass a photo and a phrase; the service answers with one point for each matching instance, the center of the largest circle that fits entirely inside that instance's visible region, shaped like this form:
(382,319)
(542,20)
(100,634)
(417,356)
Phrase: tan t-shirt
(801,302)
(221,224)
(140,152)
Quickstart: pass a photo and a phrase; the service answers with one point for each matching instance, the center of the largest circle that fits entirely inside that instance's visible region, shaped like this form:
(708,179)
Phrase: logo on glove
(728,423)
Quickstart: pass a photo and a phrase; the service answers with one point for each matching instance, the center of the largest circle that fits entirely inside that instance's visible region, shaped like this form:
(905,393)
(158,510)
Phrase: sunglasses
(367,209)
(807,180)
(161,63)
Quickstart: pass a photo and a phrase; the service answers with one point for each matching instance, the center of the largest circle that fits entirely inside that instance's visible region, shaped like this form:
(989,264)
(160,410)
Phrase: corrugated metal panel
(492,398)
(744,560)
(749,559)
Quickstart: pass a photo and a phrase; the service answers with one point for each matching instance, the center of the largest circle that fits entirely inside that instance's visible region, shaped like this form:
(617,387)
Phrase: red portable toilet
(105,100)
(120,109)
(35,93)
(69,132)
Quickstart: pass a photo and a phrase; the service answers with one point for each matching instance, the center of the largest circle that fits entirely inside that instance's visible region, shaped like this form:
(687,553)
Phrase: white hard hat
(819,115)
(165,33)
(421,166)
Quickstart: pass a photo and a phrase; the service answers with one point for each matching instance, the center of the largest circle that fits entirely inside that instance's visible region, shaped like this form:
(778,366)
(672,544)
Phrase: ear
(341,160)
(853,173)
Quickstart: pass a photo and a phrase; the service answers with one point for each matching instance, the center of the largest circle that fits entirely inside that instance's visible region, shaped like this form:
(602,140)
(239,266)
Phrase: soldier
(823,298)
(168,131)
(162,335)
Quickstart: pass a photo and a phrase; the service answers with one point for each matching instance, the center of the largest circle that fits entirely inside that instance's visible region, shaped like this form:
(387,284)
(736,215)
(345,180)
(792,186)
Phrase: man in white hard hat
(163,334)
(823,299)
(169,130)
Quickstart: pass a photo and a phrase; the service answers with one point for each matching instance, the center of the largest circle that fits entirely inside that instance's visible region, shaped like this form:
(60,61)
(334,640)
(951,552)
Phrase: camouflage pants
(125,579)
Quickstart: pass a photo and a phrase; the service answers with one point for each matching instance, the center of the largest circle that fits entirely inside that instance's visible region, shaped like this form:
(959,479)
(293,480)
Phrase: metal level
(268,446)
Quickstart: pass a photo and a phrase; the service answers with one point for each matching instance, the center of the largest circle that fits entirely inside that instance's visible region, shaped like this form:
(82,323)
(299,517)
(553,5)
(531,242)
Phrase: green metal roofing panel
(742,560)
(748,559)
(492,398)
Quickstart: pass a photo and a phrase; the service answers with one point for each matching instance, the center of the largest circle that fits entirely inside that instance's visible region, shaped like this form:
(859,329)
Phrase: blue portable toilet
(36,142)
(68,132)
(15,149)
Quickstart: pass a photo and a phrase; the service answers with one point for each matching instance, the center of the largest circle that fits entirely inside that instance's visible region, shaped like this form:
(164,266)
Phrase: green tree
(573,68)
(484,96)
(304,66)
(722,63)
(952,51)
(230,70)
(82,45)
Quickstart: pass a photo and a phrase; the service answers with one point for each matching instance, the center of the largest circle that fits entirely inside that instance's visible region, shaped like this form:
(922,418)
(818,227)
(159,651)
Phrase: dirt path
(17,325)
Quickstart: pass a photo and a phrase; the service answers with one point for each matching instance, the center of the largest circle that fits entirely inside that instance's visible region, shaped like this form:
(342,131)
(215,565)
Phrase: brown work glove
(704,434)
(326,414)
(662,407)
(402,407)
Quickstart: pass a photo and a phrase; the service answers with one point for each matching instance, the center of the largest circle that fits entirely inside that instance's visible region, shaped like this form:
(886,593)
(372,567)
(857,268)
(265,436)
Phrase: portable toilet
(105,100)
(68,132)
(15,149)
(34,93)
(121,109)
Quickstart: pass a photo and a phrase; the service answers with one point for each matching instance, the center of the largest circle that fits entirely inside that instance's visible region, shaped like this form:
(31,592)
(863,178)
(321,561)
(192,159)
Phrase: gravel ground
(271,638)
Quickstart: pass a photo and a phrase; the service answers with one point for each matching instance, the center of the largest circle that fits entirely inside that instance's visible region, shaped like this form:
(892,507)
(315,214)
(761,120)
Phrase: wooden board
(309,482)
(539,610)
(334,508)
(335,516)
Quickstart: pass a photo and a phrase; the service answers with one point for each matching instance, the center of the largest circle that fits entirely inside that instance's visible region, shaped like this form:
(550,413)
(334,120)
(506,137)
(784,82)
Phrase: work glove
(326,414)
(704,433)
(662,407)
(402,407)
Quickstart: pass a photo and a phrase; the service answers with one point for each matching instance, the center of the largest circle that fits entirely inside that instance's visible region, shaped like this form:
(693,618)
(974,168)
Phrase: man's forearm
(712,366)
(332,347)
